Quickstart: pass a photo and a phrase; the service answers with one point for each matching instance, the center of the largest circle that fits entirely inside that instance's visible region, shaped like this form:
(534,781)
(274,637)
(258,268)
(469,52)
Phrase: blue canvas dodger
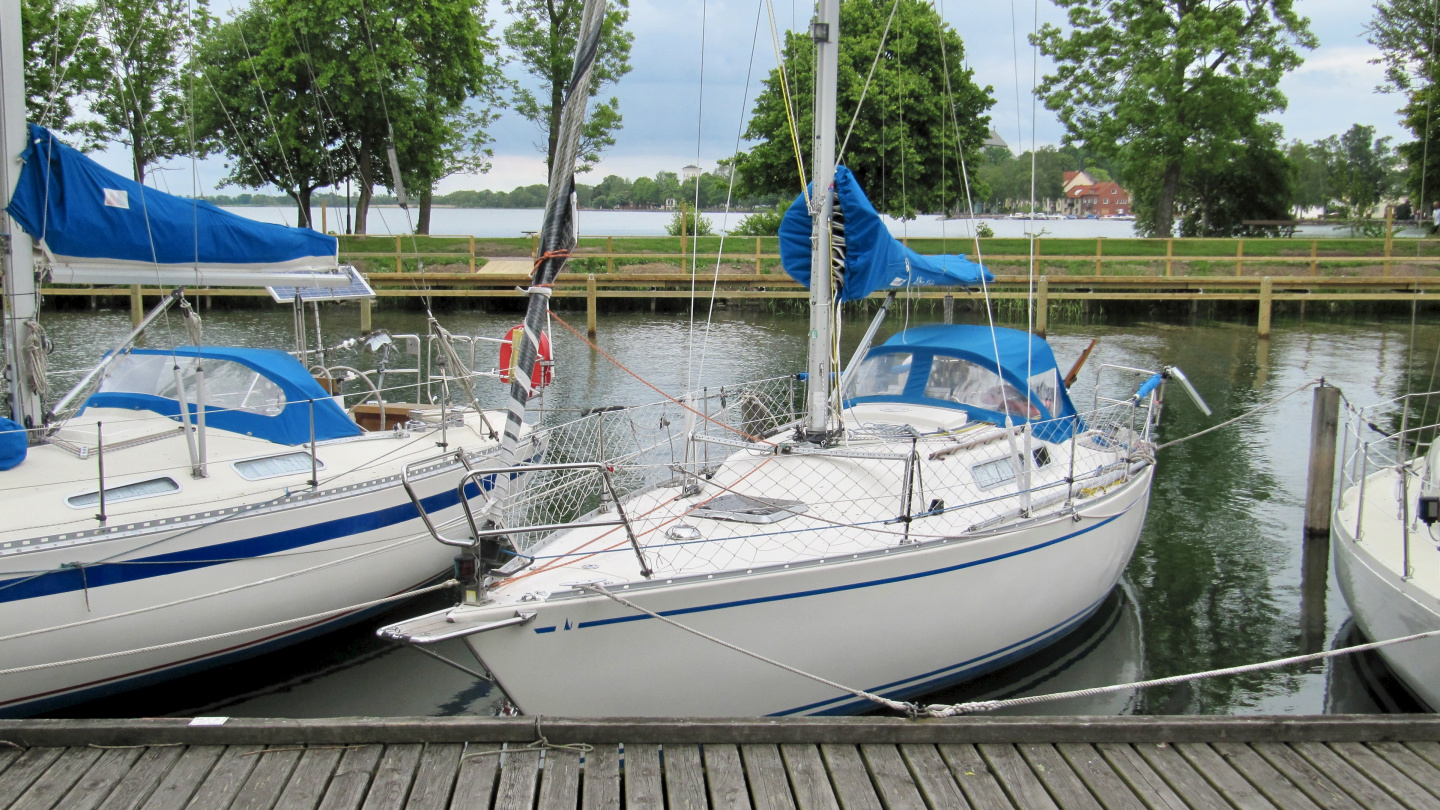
(874,260)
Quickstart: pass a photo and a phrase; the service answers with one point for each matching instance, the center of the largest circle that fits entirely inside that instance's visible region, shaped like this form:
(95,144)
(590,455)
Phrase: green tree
(904,149)
(687,222)
(1361,170)
(1229,183)
(542,37)
(1150,82)
(1309,177)
(64,62)
(612,192)
(143,101)
(645,192)
(1407,33)
(1008,177)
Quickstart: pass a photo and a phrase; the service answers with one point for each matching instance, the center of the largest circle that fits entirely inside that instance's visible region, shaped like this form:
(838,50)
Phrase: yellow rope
(789,110)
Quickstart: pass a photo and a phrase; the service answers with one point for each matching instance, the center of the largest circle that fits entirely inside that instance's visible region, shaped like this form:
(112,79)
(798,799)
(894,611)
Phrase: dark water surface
(1222,575)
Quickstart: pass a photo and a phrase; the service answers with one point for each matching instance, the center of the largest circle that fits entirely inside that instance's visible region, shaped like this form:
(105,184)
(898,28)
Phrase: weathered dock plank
(739,765)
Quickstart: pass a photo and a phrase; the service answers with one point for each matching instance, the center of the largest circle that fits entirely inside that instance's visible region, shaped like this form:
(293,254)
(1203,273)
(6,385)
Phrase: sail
(874,260)
(97,227)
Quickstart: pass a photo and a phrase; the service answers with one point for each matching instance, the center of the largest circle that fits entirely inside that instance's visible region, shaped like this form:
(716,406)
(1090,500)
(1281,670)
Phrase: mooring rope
(955,709)
(1245,415)
(449,583)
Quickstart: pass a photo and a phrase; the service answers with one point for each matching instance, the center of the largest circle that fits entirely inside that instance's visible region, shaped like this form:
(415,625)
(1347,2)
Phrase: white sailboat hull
(912,618)
(1387,606)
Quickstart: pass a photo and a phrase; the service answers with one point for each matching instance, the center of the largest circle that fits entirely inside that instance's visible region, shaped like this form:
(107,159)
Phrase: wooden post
(1389,235)
(324,222)
(1314,253)
(590,305)
(399,268)
(1099,251)
(1042,306)
(757,257)
(1265,300)
(1169,257)
(1239,254)
(610,250)
(1035,255)
(365,315)
(949,307)
(137,305)
(682,232)
(535,245)
(472,254)
(1324,419)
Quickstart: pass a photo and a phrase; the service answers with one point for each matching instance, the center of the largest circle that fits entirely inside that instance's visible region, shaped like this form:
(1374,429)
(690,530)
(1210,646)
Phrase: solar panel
(356,289)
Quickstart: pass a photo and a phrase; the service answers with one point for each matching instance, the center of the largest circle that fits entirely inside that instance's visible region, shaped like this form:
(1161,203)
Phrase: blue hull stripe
(838,588)
(102,574)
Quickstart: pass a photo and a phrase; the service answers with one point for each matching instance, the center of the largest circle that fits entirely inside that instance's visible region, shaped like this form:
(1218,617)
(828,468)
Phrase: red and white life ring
(544,368)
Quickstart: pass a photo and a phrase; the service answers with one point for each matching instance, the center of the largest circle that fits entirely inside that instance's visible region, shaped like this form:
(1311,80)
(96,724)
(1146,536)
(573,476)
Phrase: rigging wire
(789,102)
(695,228)
(839,156)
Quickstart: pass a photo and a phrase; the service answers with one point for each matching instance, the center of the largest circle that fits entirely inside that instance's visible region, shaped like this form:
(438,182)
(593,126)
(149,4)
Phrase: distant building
(1084,197)
(690,172)
(994,139)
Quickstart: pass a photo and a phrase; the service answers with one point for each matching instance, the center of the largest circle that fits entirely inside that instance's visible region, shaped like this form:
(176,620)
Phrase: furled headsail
(98,227)
(872,258)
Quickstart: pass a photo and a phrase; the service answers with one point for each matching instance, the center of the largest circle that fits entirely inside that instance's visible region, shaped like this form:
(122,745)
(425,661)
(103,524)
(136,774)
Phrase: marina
(558,763)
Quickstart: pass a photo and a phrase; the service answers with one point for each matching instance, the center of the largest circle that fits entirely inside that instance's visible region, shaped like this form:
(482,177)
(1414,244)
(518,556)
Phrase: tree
(542,37)
(144,100)
(64,61)
(612,192)
(906,146)
(1407,33)
(1309,177)
(1361,170)
(1229,183)
(1149,82)
(1008,177)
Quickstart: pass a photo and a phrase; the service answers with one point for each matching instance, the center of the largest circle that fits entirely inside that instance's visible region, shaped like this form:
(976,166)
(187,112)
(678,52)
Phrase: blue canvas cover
(874,260)
(84,215)
(291,425)
(1022,358)
(13,444)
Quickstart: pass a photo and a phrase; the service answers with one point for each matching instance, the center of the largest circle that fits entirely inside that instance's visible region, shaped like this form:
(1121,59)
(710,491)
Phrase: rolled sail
(872,258)
(97,227)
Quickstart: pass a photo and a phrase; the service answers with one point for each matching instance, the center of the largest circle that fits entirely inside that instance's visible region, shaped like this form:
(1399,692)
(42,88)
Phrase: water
(515,222)
(1216,580)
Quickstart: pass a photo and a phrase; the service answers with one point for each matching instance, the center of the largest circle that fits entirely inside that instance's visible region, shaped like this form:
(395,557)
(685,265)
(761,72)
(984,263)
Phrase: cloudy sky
(673,118)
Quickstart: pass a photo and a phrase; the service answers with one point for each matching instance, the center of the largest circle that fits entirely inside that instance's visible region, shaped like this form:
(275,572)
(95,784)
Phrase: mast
(825,31)
(16,259)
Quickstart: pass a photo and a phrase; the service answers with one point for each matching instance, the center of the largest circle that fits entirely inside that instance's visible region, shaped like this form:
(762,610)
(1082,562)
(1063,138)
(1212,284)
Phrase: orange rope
(563,253)
(652,386)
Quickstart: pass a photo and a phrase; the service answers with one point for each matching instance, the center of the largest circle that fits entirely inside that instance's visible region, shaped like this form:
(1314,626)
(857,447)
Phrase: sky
(679,109)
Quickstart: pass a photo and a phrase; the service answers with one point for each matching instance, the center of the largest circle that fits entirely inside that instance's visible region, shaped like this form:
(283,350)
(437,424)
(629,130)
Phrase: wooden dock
(1135,763)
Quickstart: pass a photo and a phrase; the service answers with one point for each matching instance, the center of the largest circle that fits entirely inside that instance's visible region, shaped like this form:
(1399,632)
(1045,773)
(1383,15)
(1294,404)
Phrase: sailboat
(1387,558)
(185,506)
(805,544)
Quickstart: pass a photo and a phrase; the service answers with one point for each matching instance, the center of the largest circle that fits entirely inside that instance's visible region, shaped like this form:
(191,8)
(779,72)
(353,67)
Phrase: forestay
(64,200)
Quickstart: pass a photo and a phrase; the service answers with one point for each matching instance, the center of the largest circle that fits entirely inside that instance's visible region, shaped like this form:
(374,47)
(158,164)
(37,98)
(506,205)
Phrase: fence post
(535,245)
(137,305)
(472,254)
(324,221)
(682,234)
(1389,235)
(1324,419)
(1239,254)
(1035,255)
(1099,251)
(365,315)
(1314,253)
(610,250)
(757,255)
(398,267)
(1265,293)
(949,307)
(1169,257)
(1042,306)
(590,305)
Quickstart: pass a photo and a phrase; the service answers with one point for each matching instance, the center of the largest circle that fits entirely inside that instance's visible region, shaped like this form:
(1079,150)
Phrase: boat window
(967,383)
(254,469)
(228,385)
(991,474)
(1043,386)
(882,375)
(125,492)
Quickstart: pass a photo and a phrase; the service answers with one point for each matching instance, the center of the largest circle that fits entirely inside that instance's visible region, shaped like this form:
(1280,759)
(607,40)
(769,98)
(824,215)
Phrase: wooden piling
(1324,421)
(1099,250)
(1169,257)
(472,254)
(590,305)
(1265,304)
(1239,256)
(365,304)
(399,268)
(137,305)
(610,250)
(1389,235)
(949,307)
(1042,306)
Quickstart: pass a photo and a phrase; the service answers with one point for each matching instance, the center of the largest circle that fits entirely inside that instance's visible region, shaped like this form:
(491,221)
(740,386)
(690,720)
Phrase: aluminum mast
(16,256)
(825,30)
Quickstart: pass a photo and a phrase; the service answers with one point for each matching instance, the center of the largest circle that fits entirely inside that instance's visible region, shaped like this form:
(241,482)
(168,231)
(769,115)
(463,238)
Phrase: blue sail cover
(99,227)
(874,260)
(276,410)
(923,355)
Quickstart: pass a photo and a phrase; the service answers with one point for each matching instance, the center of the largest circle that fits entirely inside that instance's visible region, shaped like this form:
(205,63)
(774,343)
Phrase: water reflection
(1222,575)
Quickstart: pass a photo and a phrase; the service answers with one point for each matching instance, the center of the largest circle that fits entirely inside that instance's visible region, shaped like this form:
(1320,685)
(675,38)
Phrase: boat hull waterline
(929,614)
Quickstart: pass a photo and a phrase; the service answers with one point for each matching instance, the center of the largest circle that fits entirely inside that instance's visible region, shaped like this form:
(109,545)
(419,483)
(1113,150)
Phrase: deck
(983,763)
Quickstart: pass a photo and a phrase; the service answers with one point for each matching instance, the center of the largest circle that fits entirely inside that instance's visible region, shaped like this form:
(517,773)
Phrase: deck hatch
(125,492)
(749,509)
(255,469)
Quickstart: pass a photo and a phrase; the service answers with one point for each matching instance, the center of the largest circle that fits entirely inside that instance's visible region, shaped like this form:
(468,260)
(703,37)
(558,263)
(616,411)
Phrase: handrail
(420,508)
